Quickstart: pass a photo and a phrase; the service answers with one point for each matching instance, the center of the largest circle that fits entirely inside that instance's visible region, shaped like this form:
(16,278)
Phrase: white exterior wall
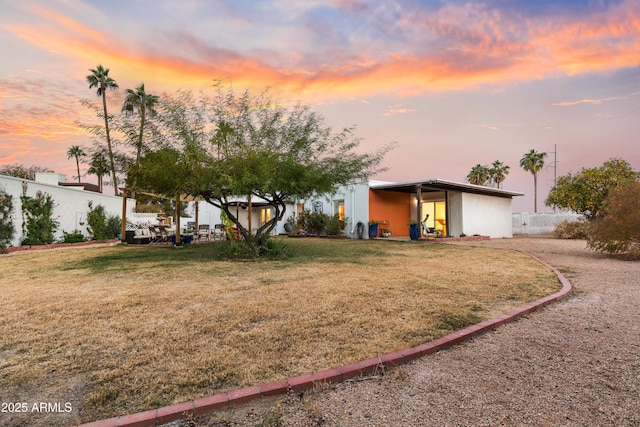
(71,205)
(209,214)
(356,206)
(486,215)
(541,223)
(455,226)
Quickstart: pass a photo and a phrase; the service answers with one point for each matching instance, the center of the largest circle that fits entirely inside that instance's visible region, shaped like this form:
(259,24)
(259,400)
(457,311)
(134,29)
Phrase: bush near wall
(7,229)
(571,230)
(38,224)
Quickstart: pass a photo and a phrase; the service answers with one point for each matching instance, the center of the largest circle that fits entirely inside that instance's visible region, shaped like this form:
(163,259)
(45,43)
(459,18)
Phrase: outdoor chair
(161,234)
(154,235)
(204,231)
(218,232)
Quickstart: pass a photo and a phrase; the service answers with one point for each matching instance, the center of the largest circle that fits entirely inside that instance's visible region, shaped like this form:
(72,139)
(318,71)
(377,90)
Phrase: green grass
(300,250)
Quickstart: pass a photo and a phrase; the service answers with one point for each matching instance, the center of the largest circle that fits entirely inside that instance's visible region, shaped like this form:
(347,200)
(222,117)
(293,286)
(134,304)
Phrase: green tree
(77,152)
(143,103)
(586,191)
(264,150)
(99,78)
(498,172)
(98,166)
(618,228)
(479,175)
(533,162)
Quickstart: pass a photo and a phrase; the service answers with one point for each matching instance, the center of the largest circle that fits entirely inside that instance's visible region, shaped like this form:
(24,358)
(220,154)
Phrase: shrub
(313,222)
(228,226)
(38,224)
(7,228)
(113,226)
(335,225)
(571,230)
(74,237)
(273,248)
(96,222)
(618,230)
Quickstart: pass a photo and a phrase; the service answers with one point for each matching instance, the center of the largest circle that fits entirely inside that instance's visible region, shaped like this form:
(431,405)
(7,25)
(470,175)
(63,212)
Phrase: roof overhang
(432,185)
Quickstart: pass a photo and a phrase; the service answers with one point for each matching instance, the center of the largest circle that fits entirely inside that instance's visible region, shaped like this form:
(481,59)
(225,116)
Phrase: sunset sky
(455,83)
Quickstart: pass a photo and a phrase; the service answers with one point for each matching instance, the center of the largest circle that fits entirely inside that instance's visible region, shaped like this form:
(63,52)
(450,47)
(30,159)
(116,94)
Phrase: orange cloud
(493,49)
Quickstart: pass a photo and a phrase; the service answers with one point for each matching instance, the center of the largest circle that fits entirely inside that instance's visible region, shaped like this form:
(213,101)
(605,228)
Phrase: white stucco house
(451,208)
(448,207)
(71,201)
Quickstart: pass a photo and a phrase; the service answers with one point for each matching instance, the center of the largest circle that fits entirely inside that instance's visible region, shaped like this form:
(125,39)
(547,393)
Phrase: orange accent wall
(393,207)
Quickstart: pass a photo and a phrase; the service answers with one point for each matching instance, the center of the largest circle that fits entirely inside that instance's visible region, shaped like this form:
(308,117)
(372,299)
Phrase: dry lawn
(125,329)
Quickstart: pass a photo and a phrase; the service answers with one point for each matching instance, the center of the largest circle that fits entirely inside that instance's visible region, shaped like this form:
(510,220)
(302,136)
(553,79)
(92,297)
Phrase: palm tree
(139,101)
(479,175)
(533,162)
(77,152)
(499,172)
(100,79)
(98,166)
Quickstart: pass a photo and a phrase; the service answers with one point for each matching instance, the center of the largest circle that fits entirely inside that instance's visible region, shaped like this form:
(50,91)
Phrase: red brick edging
(12,249)
(223,401)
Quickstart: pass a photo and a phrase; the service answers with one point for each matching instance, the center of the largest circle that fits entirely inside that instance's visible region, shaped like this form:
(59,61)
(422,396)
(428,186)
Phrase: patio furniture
(204,231)
(141,236)
(161,234)
(154,235)
(218,232)
(385,229)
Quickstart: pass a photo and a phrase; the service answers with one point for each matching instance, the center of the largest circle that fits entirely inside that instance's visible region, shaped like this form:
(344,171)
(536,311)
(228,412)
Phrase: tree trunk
(106,126)
(535,193)
(78,168)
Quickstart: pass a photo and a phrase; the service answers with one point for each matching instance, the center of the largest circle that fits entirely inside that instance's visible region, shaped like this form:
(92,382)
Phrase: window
(265,216)
(338,209)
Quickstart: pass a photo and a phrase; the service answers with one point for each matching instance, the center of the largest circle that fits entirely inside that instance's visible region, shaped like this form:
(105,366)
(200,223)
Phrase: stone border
(13,249)
(224,401)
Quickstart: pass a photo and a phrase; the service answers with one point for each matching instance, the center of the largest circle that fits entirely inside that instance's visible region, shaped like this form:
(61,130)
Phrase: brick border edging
(50,246)
(223,401)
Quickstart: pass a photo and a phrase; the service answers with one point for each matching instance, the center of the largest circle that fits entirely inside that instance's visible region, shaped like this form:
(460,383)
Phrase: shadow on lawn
(299,251)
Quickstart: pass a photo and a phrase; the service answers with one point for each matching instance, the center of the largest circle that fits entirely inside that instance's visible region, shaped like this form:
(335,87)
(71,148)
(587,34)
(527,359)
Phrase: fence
(540,223)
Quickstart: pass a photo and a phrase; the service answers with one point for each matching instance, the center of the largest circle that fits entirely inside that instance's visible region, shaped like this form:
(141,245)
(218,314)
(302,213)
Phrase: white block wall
(70,204)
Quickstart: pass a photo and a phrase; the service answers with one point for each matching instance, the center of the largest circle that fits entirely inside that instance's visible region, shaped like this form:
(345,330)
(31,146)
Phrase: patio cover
(443,185)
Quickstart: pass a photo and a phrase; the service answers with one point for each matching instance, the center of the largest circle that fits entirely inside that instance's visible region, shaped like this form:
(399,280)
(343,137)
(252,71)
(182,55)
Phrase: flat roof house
(447,207)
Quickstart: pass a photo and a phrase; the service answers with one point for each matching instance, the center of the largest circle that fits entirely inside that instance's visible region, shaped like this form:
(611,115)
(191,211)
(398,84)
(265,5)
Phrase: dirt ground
(573,363)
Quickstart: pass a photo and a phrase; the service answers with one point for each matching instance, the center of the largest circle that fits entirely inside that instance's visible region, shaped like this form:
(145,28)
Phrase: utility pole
(555,164)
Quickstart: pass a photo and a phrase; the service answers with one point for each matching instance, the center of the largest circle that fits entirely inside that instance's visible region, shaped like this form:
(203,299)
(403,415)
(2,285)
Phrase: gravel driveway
(573,363)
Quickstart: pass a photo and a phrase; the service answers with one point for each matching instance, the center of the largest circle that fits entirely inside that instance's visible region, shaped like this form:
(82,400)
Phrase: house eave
(444,185)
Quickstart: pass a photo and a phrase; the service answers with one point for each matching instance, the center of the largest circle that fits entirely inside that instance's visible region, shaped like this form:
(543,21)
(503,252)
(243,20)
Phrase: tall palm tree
(533,162)
(100,79)
(141,102)
(479,175)
(499,172)
(98,166)
(77,152)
